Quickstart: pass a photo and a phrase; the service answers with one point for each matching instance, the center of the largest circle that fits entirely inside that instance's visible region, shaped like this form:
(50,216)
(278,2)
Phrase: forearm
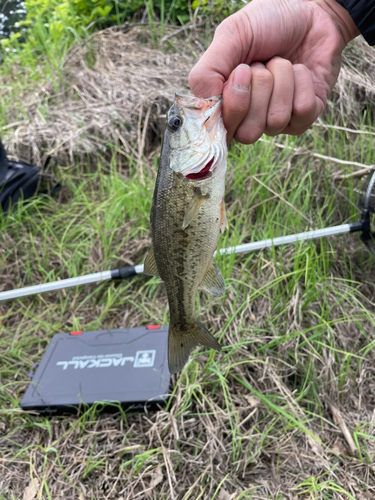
(362,16)
(341,17)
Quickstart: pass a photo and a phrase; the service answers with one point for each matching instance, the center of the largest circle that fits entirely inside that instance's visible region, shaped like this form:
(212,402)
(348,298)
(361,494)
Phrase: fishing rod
(366,203)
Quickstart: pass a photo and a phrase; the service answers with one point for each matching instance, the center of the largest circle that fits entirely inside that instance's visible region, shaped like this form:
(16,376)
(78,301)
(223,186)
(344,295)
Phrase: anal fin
(213,281)
(150,264)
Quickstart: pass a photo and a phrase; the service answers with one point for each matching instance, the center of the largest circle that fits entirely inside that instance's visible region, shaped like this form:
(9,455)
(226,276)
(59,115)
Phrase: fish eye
(174,123)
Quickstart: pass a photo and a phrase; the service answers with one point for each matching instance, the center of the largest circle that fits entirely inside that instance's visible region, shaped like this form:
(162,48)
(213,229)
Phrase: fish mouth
(206,164)
(205,173)
(194,107)
(190,101)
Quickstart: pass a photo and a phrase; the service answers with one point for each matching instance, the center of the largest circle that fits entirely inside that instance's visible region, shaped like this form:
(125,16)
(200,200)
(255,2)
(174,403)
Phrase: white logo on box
(144,359)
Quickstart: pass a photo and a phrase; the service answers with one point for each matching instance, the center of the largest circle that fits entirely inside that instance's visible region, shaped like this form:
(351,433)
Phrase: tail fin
(181,342)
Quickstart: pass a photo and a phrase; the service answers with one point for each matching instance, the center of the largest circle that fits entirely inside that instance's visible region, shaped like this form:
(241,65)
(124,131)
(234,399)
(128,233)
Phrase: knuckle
(304,106)
(301,69)
(279,64)
(237,106)
(262,77)
(304,99)
(219,29)
(278,120)
(271,133)
(297,129)
(225,27)
(248,136)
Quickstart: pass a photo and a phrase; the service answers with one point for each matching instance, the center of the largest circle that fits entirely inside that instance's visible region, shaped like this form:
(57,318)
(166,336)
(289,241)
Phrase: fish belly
(183,257)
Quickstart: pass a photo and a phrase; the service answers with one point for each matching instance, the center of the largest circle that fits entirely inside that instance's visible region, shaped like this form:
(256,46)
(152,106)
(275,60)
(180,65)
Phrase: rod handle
(123,273)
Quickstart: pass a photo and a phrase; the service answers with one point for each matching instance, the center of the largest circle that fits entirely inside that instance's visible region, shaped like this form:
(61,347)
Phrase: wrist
(341,17)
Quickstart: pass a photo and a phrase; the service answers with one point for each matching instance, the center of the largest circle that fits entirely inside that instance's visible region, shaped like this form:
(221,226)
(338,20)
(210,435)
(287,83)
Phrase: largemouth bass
(187,215)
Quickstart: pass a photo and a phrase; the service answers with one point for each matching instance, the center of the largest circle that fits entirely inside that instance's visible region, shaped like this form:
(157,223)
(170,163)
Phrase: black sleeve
(363,14)
(3,164)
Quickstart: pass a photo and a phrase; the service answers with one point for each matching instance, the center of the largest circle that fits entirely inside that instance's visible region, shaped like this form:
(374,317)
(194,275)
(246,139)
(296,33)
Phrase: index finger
(225,53)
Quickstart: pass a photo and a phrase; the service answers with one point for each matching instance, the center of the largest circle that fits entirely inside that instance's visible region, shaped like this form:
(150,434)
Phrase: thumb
(230,47)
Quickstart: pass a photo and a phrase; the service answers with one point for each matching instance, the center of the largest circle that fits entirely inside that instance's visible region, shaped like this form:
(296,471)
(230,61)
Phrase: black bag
(20,181)
(3,164)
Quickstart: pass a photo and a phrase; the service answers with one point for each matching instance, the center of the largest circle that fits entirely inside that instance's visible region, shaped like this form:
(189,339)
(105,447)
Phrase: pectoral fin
(150,264)
(223,217)
(193,209)
(213,281)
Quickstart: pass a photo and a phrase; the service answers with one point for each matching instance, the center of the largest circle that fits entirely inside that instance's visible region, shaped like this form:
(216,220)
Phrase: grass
(296,325)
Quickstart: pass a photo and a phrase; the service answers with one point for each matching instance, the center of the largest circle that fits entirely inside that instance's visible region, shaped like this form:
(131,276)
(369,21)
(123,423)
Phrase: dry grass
(355,88)
(111,90)
(114,88)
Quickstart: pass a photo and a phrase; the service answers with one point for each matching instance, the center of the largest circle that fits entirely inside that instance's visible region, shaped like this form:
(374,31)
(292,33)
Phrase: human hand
(275,62)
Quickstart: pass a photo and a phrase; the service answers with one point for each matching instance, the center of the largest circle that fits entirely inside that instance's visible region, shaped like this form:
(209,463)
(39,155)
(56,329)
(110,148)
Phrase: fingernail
(242,77)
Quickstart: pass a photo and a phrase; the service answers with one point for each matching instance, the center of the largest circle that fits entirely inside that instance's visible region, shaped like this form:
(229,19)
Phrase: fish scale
(186,218)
